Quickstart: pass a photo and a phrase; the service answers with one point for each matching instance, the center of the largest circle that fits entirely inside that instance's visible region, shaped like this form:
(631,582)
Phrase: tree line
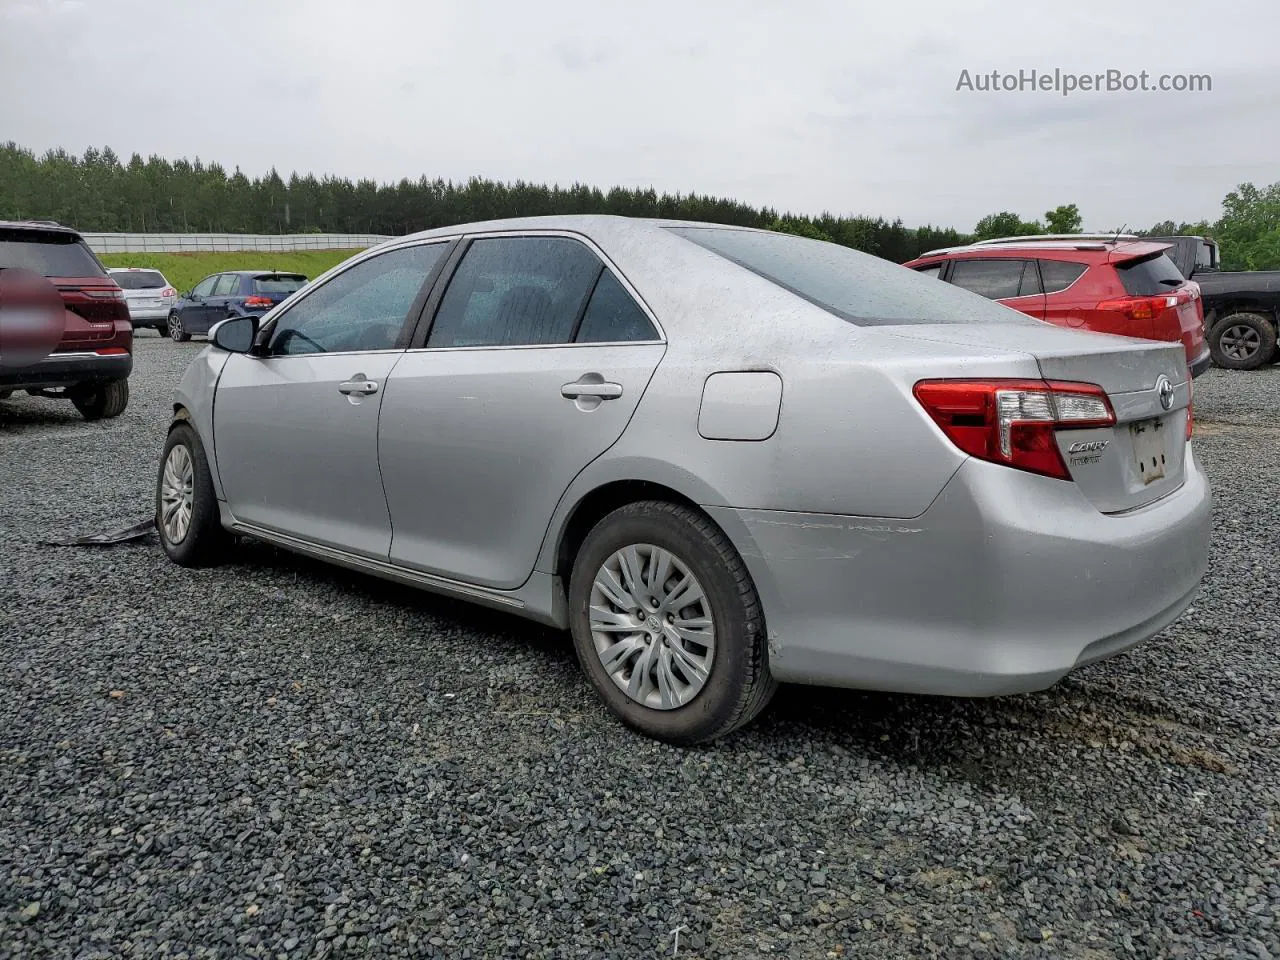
(99,192)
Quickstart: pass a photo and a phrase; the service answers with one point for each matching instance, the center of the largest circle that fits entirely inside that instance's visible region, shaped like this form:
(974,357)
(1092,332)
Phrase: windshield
(139,280)
(854,286)
(48,253)
(279,283)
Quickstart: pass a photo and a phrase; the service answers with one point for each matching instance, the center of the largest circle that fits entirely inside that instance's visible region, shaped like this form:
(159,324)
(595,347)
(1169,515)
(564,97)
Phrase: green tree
(1005,224)
(1064,219)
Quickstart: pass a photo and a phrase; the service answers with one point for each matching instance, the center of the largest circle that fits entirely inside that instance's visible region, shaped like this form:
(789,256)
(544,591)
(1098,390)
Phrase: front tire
(177,333)
(187,520)
(101,401)
(667,624)
(1243,341)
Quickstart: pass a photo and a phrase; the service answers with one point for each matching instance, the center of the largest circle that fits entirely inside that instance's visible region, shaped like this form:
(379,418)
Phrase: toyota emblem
(1164,389)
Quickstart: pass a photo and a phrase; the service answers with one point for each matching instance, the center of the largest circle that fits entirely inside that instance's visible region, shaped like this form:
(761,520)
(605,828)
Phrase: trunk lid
(93,307)
(1113,466)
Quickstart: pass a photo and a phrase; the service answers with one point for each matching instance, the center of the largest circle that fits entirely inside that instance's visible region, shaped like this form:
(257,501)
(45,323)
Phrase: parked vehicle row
(236,293)
(720,457)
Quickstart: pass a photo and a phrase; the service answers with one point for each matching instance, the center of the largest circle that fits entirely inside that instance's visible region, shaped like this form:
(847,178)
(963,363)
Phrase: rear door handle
(358,386)
(601,391)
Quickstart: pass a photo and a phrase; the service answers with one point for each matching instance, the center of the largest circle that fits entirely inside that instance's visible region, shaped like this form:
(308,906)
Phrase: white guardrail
(203,242)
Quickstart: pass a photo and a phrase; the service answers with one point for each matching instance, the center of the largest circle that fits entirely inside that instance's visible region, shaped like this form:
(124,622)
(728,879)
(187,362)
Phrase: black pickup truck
(1241,310)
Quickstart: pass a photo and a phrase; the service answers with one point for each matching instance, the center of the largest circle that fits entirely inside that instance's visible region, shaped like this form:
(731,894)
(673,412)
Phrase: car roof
(1101,250)
(586,223)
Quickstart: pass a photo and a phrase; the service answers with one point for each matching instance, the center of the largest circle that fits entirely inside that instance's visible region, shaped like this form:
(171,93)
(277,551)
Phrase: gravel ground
(275,758)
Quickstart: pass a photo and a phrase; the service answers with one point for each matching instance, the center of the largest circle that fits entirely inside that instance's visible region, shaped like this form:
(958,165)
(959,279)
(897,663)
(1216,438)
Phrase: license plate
(1148,448)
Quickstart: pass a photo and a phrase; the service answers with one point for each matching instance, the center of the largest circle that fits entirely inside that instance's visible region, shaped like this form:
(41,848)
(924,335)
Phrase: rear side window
(278,283)
(512,291)
(1206,255)
(1060,274)
(228,285)
(48,253)
(140,280)
(993,279)
(613,316)
(930,271)
(1149,276)
(854,286)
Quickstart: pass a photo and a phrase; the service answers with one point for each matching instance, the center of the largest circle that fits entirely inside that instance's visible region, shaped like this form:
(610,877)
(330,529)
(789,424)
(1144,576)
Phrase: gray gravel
(277,759)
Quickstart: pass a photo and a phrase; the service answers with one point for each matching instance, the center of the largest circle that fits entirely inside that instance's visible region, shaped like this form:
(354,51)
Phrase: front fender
(193,400)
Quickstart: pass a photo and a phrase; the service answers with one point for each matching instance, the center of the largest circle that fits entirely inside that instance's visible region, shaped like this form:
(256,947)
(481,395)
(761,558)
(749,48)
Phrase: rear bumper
(1201,363)
(67,369)
(148,316)
(1005,584)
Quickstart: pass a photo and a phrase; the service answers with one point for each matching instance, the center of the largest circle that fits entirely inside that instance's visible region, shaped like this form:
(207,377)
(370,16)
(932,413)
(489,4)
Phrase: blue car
(237,293)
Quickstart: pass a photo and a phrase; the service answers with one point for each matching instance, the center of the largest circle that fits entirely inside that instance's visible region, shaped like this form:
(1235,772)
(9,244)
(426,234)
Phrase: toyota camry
(722,458)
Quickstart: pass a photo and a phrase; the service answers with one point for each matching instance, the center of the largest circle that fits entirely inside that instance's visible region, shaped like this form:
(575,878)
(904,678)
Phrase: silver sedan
(721,457)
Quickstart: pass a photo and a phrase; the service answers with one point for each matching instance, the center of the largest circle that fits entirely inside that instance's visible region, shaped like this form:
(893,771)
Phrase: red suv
(87,355)
(1099,283)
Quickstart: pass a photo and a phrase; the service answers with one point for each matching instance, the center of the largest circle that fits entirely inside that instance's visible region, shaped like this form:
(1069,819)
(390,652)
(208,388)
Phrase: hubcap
(652,626)
(1240,342)
(177,493)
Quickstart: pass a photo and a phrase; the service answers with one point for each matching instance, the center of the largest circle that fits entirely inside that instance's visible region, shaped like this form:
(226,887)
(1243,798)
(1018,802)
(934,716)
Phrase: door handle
(601,391)
(358,386)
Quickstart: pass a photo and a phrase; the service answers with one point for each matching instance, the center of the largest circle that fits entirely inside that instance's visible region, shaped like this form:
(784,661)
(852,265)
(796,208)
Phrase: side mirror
(235,335)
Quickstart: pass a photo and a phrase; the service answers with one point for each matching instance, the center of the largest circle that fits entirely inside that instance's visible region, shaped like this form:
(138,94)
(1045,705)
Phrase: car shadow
(22,411)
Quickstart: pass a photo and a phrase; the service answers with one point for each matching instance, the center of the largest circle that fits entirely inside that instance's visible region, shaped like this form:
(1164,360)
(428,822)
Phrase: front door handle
(358,386)
(601,391)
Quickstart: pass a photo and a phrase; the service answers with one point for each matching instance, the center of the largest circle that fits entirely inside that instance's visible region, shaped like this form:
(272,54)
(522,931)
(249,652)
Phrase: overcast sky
(809,106)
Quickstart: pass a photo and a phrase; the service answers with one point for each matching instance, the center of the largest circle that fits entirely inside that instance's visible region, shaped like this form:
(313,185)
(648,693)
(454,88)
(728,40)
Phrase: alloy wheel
(652,626)
(177,494)
(1240,342)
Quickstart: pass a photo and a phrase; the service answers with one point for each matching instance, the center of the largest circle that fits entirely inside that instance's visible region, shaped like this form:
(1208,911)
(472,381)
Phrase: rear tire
(101,401)
(1243,341)
(175,329)
(187,518)
(688,691)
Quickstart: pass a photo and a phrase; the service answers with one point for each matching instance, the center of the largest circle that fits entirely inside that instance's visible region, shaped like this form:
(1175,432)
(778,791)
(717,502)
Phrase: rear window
(139,280)
(279,283)
(1060,274)
(1149,276)
(854,286)
(1206,255)
(49,254)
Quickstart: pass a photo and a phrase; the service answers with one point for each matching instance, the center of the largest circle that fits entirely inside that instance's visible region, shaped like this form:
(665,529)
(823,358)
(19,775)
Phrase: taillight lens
(1014,422)
(257,301)
(168,292)
(105,294)
(1191,395)
(1141,308)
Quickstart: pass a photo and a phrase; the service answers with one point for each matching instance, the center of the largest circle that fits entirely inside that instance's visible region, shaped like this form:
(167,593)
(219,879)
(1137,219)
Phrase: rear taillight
(258,301)
(1013,422)
(1140,308)
(105,294)
(168,292)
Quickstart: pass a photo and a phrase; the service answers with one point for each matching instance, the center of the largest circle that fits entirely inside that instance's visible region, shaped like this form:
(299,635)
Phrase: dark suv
(89,355)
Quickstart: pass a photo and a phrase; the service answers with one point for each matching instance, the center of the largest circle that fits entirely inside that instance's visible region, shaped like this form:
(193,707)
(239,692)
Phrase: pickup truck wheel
(101,401)
(1243,341)
(187,518)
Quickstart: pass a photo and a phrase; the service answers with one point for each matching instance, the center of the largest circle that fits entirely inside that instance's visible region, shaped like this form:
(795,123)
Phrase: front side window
(993,279)
(228,285)
(513,291)
(853,286)
(613,316)
(362,308)
(205,287)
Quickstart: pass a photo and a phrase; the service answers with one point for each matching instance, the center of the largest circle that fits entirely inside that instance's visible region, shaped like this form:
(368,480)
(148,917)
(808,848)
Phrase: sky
(843,107)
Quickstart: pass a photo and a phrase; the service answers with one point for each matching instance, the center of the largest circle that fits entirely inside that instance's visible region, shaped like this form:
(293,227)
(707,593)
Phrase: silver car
(721,457)
(149,295)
